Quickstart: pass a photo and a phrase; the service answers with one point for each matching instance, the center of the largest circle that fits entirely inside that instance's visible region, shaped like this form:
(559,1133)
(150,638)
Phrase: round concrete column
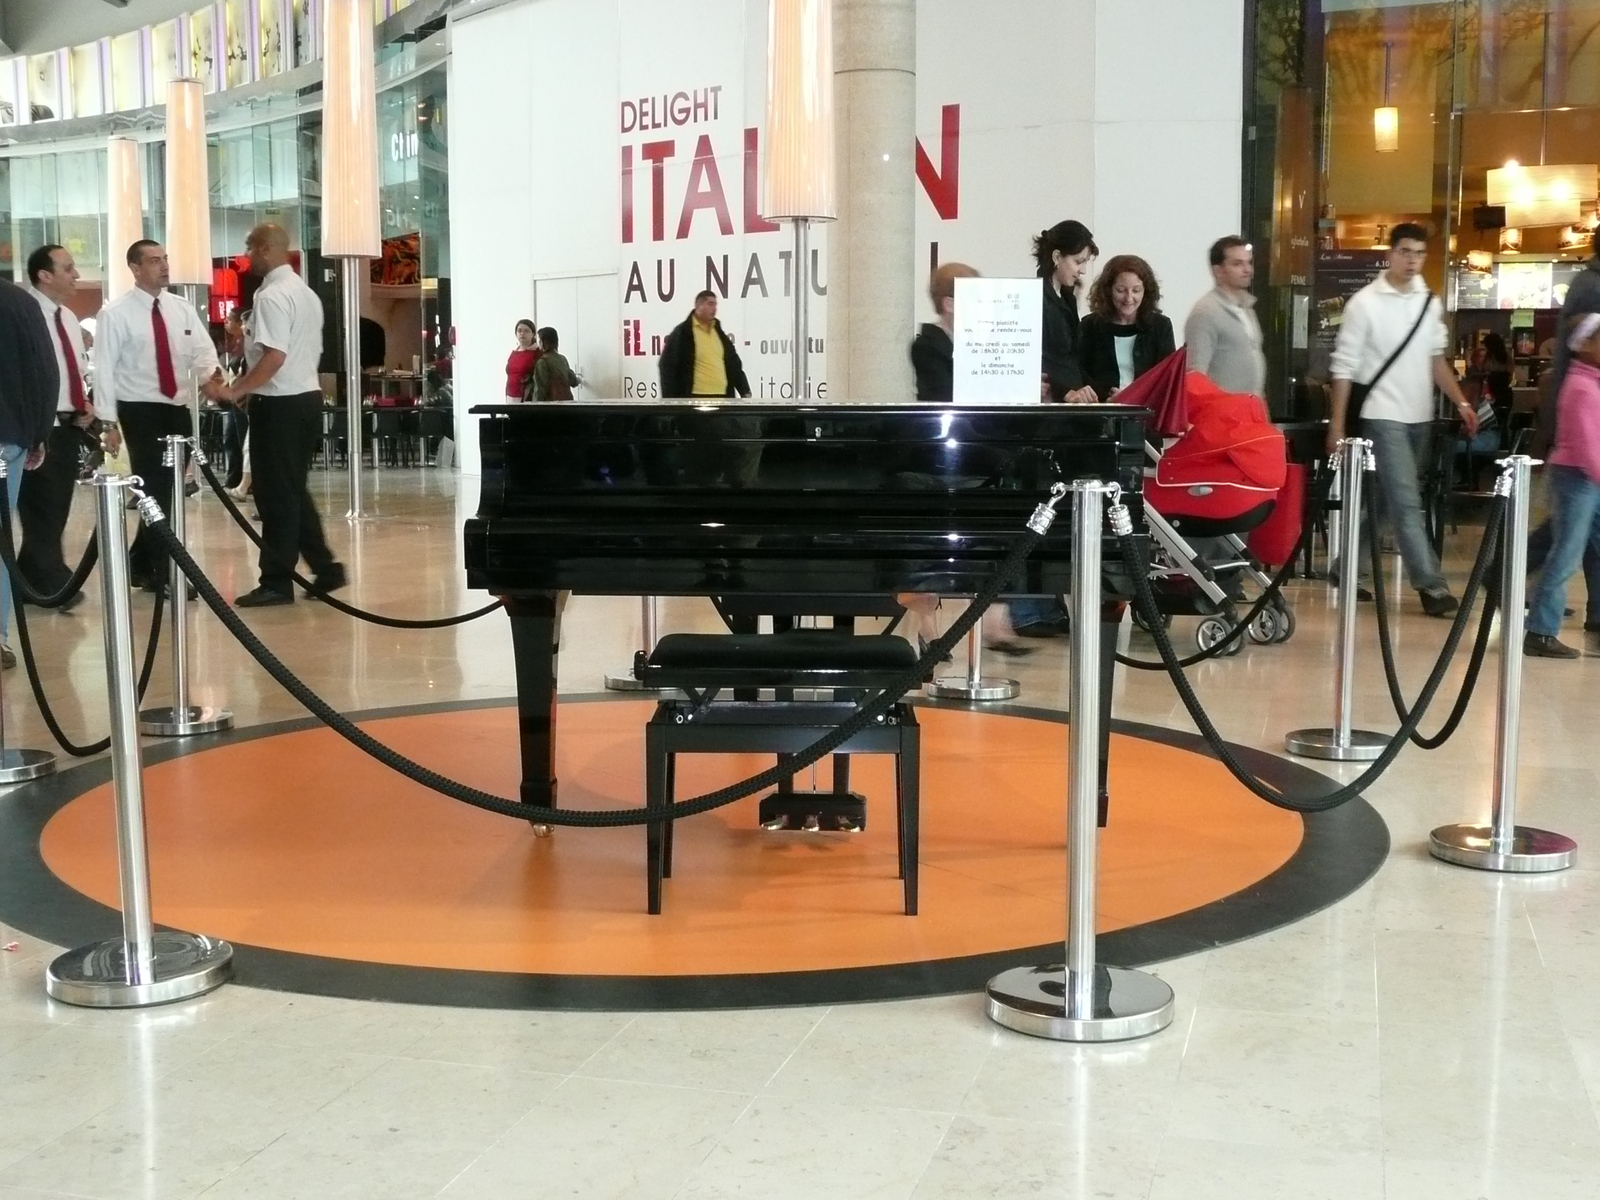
(871,249)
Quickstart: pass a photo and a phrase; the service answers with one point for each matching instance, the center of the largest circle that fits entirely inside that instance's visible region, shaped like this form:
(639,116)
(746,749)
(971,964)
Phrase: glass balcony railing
(226,44)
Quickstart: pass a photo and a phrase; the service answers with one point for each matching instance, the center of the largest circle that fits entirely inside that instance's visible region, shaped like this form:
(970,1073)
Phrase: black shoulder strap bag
(1360,391)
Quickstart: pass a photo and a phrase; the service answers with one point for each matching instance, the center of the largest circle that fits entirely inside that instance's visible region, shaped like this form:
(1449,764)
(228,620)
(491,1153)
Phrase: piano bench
(800,658)
(682,726)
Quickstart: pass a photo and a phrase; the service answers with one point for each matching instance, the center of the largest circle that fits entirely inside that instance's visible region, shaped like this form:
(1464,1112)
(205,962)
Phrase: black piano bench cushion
(798,650)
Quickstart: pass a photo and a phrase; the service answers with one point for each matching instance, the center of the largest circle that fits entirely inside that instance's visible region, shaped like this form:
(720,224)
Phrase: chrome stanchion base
(196,719)
(1364,745)
(96,976)
(961,687)
(1530,850)
(627,683)
(1127,1004)
(19,766)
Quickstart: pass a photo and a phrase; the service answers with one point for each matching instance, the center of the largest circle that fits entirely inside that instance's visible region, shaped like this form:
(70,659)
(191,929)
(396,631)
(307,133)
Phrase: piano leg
(536,646)
(1110,624)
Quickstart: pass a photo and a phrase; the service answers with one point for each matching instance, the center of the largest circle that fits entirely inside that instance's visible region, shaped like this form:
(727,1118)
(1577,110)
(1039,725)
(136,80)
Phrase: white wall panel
(1168,117)
(491,189)
(1124,114)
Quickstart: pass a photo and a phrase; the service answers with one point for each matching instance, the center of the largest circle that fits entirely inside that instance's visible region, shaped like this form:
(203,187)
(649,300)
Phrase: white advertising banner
(692,100)
(998,338)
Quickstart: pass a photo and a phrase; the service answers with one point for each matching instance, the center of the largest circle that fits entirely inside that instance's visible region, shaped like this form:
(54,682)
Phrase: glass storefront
(271,171)
(1479,119)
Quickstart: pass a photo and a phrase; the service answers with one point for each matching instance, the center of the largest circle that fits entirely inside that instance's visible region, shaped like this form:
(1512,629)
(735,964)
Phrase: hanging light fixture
(1386,117)
(350,228)
(188,233)
(799,167)
(124,212)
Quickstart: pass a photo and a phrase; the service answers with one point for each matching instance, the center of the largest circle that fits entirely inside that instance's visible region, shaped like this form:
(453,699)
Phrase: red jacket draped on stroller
(1230,461)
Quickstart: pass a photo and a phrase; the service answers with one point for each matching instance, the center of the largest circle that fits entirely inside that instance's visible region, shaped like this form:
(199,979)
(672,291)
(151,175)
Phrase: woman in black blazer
(1125,333)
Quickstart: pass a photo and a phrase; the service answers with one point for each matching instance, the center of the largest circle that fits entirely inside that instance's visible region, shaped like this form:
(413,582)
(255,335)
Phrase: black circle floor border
(1339,851)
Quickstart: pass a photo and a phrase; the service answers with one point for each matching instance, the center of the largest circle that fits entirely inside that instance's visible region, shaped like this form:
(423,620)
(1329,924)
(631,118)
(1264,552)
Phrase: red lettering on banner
(627,194)
(656,154)
(754,222)
(944,185)
(705,190)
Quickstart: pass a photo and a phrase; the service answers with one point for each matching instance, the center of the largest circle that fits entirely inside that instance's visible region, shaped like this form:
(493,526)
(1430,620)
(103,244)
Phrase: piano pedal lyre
(813,812)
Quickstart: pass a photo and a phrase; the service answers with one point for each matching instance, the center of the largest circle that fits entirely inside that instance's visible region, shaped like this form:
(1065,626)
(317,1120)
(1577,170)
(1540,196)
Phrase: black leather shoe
(1542,645)
(330,580)
(263,597)
(189,593)
(1439,604)
(7,659)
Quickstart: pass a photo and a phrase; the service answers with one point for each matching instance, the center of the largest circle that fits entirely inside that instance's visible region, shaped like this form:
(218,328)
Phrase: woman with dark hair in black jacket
(1061,254)
(1125,333)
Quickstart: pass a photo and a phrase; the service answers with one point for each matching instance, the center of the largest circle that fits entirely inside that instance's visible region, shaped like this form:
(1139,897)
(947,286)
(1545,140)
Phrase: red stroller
(1218,481)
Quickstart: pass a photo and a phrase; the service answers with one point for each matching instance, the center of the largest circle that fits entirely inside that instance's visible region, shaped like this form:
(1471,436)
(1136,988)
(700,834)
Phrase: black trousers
(284,434)
(43,507)
(144,426)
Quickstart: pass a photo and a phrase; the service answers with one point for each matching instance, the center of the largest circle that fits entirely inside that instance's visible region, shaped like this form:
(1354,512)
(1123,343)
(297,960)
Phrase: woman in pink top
(1574,490)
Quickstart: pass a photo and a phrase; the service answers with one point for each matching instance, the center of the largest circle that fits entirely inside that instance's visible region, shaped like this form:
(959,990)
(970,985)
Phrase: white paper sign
(999,336)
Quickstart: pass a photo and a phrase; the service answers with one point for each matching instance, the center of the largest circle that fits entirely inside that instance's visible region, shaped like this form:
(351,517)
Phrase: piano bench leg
(666,838)
(656,771)
(907,781)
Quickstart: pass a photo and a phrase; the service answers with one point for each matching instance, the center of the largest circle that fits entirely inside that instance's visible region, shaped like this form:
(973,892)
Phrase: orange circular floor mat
(298,842)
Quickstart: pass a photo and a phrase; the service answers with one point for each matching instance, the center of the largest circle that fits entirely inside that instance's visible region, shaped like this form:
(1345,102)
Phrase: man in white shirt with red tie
(46,499)
(151,349)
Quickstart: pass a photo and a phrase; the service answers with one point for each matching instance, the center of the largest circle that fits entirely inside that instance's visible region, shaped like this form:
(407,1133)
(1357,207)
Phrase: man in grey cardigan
(1222,336)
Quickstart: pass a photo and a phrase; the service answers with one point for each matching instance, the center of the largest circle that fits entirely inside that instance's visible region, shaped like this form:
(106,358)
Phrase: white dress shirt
(286,315)
(1375,321)
(69,320)
(125,351)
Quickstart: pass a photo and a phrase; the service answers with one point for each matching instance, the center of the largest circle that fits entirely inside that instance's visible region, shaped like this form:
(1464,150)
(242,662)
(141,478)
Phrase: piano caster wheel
(542,831)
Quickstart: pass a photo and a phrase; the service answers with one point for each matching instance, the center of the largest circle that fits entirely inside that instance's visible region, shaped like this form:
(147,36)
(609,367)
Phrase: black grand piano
(736,498)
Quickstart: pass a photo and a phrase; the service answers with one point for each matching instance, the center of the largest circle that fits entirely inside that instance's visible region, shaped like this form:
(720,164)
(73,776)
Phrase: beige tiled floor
(1436,1035)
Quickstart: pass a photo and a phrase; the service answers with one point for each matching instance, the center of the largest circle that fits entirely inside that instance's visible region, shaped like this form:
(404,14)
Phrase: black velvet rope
(8,557)
(868,713)
(1328,800)
(349,610)
(1480,646)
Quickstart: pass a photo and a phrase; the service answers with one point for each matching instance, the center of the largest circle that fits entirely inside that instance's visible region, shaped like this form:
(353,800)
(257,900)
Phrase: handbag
(1360,391)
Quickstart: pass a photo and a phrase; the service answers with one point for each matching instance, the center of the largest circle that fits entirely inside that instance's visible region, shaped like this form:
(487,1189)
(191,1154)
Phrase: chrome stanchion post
(143,966)
(1082,1001)
(1503,845)
(180,718)
(18,765)
(972,685)
(1342,743)
(649,619)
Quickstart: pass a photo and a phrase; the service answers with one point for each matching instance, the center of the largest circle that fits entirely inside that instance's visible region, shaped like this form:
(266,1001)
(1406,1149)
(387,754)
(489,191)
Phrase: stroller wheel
(1266,628)
(1285,622)
(1211,631)
(1139,620)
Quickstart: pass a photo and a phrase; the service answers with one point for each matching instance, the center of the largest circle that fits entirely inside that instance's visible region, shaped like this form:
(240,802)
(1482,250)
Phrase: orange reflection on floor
(299,842)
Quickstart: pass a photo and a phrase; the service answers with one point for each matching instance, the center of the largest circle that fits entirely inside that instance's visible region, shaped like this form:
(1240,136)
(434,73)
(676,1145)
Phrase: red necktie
(80,402)
(165,376)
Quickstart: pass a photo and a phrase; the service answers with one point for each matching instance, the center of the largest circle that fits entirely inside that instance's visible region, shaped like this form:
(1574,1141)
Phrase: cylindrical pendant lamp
(124,212)
(350,225)
(188,235)
(800,170)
